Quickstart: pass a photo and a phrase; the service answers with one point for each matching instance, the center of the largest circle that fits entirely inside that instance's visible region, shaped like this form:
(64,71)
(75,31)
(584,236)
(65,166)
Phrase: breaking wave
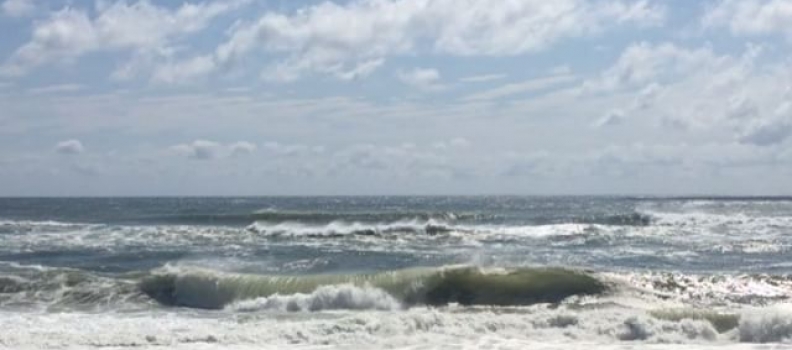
(425,286)
(335,297)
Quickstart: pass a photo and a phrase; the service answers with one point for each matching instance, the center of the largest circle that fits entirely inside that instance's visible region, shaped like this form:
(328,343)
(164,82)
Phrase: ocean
(396,273)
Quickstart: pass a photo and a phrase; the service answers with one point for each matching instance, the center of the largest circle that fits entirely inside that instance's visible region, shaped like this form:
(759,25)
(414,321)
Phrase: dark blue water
(381,233)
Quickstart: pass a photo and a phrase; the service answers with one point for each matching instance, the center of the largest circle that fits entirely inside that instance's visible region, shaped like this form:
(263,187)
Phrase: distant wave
(425,228)
(343,228)
(308,217)
(624,219)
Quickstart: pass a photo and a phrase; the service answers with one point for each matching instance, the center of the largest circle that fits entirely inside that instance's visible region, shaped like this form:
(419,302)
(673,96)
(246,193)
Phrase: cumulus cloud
(292,150)
(69,147)
(751,17)
(18,8)
(208,150)
(351,38)
(139,27)
(698,89)
(242,148)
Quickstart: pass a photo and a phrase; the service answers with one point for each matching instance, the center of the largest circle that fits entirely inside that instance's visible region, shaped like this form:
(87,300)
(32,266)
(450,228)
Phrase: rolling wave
(424,286)
(71,289)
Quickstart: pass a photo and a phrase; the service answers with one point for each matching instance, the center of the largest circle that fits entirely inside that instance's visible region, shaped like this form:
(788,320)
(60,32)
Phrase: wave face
(463,285)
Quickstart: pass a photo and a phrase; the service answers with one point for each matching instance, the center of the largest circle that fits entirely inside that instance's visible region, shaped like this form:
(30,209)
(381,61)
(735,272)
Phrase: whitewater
(396,273)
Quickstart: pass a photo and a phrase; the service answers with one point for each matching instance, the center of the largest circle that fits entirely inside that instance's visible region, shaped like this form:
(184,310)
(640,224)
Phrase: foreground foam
(521,328)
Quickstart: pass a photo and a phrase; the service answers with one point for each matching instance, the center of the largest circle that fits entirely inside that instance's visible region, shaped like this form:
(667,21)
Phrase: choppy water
(395,272)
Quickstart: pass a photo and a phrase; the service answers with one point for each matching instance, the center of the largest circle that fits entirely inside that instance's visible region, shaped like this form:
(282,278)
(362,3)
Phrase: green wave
(424,286)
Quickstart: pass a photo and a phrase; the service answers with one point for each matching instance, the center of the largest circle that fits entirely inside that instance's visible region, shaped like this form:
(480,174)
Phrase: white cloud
(335,38)
(422,78)
(208,150)
(294,150)
(69,147)
(183,72)
(121,26)
(198,149)
(751,17)
(696,89)
(524,87)
(18,8)
(363,69)
(242,148)
(482,78)
(644,63)
(400,161)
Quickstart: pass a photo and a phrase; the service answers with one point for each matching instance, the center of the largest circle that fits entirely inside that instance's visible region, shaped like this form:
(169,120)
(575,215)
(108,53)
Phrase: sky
(395,97)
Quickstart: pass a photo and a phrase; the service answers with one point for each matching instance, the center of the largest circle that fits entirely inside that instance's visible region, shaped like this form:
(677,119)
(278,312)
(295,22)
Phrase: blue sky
(241,97)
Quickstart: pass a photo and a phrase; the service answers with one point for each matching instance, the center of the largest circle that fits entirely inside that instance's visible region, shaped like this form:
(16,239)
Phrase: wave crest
(340,297)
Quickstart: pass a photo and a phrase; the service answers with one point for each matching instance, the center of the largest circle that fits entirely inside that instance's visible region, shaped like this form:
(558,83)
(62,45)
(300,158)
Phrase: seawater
(395,272)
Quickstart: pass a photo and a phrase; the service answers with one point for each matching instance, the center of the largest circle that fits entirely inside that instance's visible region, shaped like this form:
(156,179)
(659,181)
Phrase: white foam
(339,297)
(767,325)
(706,290)
(455,327)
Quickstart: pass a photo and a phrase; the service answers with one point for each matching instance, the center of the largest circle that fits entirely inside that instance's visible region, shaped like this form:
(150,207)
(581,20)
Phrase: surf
(463,285)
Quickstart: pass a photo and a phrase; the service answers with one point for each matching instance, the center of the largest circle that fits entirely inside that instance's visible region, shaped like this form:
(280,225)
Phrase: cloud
(643,63)
(242,148)
(141,27)
(612,118)
(56,89)
(531,85)
(482,78)
(399,161)
(18,8)
(293,150)
(69,147)
(198,150)
(456,143)
(770,131)
(422,78)
(183,72)
(751,17)
(337,39)
(363,69)
(697,90)
(208,150)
